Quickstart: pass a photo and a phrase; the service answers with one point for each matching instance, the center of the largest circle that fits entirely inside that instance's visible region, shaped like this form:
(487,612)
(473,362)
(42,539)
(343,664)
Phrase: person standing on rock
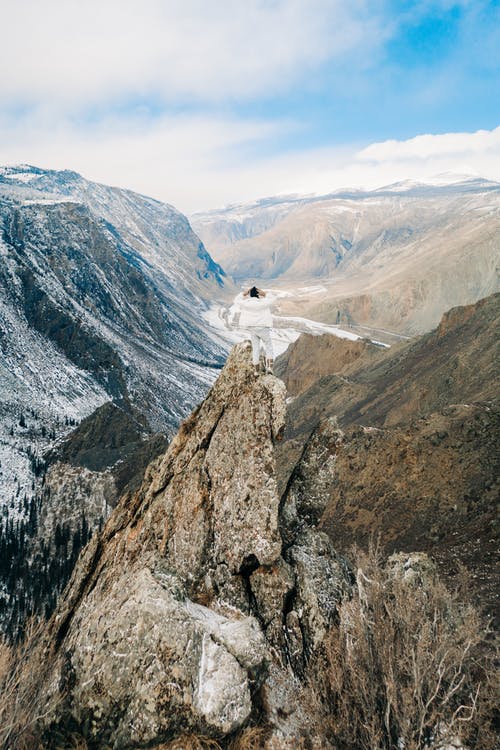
(255,315)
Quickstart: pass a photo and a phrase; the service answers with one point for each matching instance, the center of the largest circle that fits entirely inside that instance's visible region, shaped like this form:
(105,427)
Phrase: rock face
(187,613)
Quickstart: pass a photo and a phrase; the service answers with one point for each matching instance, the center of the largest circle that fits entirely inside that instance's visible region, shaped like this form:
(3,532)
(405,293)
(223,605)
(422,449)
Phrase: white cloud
(429,146)
(181,160)
(77,53)
(200,162)
(419,158)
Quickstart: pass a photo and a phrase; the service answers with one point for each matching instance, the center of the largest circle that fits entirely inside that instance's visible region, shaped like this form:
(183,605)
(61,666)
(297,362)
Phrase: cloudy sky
(206,102)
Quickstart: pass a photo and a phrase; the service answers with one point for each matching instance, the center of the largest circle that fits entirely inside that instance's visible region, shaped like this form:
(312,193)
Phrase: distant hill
(397,257)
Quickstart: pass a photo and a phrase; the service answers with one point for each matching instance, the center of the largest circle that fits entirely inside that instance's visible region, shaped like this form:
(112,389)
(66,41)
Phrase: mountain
(412,438)
(102,293)
(397,257)
(210,612)
(112,281)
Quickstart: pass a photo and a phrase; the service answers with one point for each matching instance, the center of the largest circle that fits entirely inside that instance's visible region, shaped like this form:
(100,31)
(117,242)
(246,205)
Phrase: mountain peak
(442,180)
(185,604)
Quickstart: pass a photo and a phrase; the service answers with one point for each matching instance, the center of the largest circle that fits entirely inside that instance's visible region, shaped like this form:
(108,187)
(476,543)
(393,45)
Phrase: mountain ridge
(417,461)
(391,258)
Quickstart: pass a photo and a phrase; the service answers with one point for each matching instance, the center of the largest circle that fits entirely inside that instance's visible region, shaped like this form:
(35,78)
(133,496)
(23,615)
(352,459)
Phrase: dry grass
(18,681)
(408,666)
(252,738)
(190,742)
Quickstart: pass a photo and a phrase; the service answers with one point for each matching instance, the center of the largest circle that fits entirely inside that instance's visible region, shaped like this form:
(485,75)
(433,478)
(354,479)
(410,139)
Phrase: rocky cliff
(188,612)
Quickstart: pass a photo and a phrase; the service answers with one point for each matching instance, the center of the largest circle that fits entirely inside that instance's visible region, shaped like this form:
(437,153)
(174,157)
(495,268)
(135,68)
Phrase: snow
(331,210)
(285,330)
(302,291)
(46,201)
(304,325)
(18,176)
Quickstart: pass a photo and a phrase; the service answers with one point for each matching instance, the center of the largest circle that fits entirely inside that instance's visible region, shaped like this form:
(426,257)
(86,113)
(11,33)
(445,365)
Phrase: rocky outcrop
(187,613)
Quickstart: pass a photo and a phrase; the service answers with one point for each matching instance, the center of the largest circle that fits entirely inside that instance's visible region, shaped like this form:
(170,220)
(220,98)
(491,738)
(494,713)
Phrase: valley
(163,503)
(395,258)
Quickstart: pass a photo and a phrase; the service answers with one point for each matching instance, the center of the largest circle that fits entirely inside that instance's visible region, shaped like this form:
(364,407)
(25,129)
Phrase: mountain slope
(101,299)
(397,257)
(417,460)
(121,300)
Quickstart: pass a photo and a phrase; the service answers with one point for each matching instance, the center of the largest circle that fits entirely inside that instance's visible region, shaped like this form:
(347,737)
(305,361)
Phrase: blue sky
(202,104)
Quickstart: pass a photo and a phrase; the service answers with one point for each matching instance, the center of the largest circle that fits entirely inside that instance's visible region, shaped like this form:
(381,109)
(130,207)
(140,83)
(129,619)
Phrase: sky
(203,104)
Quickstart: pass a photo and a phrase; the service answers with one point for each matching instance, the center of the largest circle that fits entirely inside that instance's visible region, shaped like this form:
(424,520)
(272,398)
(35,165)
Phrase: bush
(408,665)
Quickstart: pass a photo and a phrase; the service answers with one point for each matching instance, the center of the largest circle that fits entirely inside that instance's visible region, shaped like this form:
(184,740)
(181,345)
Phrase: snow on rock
(285,330)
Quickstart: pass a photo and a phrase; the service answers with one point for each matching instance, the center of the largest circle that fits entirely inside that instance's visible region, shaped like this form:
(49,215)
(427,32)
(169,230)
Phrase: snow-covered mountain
(394,257)
(102,295)
(106,286)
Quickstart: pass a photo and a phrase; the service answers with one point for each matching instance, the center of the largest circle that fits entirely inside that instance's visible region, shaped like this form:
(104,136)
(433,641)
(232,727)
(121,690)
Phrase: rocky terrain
(102,293)
(207,608)
(187,613)
(214,577)
(417,460)
(395,258)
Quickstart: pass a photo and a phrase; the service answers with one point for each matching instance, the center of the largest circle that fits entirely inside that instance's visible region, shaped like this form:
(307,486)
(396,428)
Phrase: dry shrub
(5,659)
(251,738)
(18,682)
(190,742)
(409,666)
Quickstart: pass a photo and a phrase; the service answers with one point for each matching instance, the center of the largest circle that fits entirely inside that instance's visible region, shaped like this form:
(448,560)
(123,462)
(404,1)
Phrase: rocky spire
(187,612)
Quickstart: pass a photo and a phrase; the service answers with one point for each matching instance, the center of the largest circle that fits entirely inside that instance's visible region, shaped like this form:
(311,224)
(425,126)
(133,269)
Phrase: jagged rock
(146,648)
(272,586)
(183,615)
(322,579)
(310,484)
(215,496)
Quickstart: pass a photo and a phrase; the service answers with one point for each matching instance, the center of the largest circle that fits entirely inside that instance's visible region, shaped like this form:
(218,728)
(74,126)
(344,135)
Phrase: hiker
(255,315)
